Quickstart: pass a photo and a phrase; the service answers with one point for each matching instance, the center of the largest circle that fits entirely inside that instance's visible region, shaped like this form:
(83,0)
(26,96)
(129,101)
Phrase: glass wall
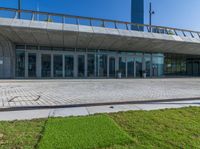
(147,62)
(69,66)
(157,65)
(57,62)
(57,66)
(103,65)
(46,65)
(20,63)
(122,66)
(81,65)
(91,65)
(112,70)
(130,66)
(32,65)
(139,66)
(175,65)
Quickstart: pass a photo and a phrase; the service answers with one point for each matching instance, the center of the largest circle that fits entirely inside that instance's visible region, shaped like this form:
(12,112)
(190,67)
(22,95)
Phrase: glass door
(81,65)
(69,66)
(31,65)
(20,64)
(122,66)
(147,63)
(139,66)
(58,66)
(112,70)
(91,65)
(46,65)
(195,68)
(157,66)
(130,67)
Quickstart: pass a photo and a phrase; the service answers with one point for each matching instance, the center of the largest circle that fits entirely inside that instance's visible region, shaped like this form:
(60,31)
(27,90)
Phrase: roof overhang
(43,33)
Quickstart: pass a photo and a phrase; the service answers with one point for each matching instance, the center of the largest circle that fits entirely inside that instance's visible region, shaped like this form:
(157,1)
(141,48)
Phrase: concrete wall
(7,57)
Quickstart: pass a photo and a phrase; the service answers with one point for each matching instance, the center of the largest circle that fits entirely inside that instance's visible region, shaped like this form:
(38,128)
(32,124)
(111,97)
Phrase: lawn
(83,133)
(172,128)
(20,134)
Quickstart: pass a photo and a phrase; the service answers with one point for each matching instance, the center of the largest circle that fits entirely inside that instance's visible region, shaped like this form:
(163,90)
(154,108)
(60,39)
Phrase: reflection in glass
(32,65)
(138,66)
(69,66)
(20,63)
(103,65)
(57,66)
(111,67)
(157,66)
(130,66)
(81,65)
(122,66)
(46,65)
(148,65)
(189,67)
(91,65)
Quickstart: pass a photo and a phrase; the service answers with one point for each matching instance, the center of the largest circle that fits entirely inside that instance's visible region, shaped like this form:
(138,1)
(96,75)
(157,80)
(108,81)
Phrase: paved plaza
(28,93)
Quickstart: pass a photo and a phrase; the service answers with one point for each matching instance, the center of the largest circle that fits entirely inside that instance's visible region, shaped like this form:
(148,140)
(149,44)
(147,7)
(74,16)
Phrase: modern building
(137,11)
(49,45)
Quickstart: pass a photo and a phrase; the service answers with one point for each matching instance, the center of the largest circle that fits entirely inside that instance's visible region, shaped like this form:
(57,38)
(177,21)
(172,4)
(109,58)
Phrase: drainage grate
(24,98)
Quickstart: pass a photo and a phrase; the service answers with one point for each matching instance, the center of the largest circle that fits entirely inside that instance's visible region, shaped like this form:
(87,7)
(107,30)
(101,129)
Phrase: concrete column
(38,65)
(85,65)
(26,64)
(135,67)
(151,73)
(63,66)
(95,65)
(126,68)
(117,62)
(108,69)
(75,65)
(98,56)
(52,66)
(143,63)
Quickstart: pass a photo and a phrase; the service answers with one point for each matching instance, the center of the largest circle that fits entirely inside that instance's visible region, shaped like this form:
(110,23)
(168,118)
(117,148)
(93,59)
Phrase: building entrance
(49,63)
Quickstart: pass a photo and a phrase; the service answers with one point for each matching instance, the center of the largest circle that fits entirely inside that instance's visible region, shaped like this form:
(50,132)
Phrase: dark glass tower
(137,11)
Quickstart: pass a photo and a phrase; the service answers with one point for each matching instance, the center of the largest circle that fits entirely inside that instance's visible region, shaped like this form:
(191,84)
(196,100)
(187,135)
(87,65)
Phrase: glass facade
(32,64)
(60,63)
(81,65)
(122,66)
(157,65)
(139,66)
(102,65)
(91,65)
(137,11)
(112,70)
(20,63)
(69,66)
(46,65)
(130,67)
(57,66)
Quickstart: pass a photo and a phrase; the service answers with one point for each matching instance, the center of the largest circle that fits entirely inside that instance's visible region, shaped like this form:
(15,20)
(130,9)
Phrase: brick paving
(17,93)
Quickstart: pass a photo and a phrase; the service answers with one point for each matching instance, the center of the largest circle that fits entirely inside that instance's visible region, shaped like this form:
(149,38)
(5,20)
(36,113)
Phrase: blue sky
(173,13)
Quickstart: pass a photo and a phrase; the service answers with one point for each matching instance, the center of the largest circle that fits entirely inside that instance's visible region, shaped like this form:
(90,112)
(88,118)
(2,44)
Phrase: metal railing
(98,22)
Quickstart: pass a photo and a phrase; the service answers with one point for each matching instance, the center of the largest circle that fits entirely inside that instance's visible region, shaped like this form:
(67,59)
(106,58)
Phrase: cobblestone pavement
(17,93)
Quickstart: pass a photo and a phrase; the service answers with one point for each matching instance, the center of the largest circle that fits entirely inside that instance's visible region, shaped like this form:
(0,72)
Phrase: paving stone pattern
(17,93)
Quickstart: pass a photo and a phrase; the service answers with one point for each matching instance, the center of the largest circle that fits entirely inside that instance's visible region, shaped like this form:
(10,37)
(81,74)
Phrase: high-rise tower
(137,11)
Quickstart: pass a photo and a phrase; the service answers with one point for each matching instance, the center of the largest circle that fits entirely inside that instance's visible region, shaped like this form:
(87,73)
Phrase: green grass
(175,128)
(82,133)
(20,134)
(165,129)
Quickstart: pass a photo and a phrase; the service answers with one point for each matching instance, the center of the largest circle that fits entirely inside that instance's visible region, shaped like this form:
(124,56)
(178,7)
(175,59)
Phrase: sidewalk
(83,111)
